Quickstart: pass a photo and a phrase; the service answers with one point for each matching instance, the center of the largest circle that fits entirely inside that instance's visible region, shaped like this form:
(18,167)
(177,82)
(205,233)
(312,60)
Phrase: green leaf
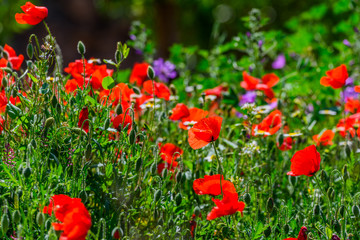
(13,110)
(32,77)
(89,99)
(108,83)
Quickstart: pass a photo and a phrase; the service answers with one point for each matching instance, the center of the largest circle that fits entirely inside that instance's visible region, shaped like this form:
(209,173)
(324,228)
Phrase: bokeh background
(101,23)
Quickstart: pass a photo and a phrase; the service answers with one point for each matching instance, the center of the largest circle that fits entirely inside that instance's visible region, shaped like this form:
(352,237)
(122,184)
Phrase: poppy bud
(247,198)
(270,205)
(106,123)
(336,225)
(172,89)
(30,50)
(48,223)
(5,222)
(280,139)
(178,177)
(178,199)
(118,109)
(20,169)
(117,232)
(164,173)
(161,221)
(197,211)
(4,82)
(88,151)
(330,193)
(40,218)
(138,164)
(335,237)
(16,217)
(341,210)
(136,90)
(348,150)
(79,131)
(324,176)
(316,210)
(150,73)
(170,222)
(286,228)
(26,172)
(356,211)
(157,195)
(8,68)
(83,196)
(33,143)
(346,175)
(49,122)
(118,56)
(132,137)
(14,92)
(81,48)
(153,168)
(267,231)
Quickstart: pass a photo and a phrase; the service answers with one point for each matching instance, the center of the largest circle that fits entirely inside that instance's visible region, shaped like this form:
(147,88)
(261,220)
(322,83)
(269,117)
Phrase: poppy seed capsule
(157,195)
(40,218)
(356,211)
(16,217)
(81,48)
(138,164)
(5,222)
(247,198)
(178,199)
(270,205)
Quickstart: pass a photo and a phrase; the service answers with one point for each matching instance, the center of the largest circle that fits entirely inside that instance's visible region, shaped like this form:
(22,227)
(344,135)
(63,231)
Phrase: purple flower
(279,62)
(165,70)
(132,37)
(348,92)
(248,97)
(260,43)
(248,34)
(349,82)
(347,43)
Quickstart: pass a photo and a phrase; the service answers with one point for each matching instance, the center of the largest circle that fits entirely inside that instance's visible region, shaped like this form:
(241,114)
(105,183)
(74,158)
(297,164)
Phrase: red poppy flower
(139,73)
(193,224)
(15,60)
(336,77)
(352,105)
(205,131)
(195,115)
(179,111)
(305,162)
(170,152)
(162,166)
(227,206)
(121,121)
(346,125)
(302,235)
(249,82)
(71,85)
(217,91)
(1,124)
(210,185)
(3,101)
(286,145)
(161,90)
(75,220)
(84,115)
(32,14)
(325,138)
(270,79)
(120,92)
(357,89)
(269,125)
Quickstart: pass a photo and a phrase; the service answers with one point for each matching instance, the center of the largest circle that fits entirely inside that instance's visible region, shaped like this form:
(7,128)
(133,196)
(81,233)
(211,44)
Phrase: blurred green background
(101,23)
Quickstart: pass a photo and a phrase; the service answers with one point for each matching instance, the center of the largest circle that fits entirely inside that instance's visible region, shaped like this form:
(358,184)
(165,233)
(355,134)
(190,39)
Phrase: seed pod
(138,164)
(118,109)
(132,136)
(26,172)
(88,151)
(345,171)
(316,210)
(247,198)
(157,195)
(178,199)
(81,48)
(270,205)
(356,211)
(107,123)
(197,211)
(40,218)
(178,177)
(16,216)
(267,231)
(150,73)
(30,50)
(5,222)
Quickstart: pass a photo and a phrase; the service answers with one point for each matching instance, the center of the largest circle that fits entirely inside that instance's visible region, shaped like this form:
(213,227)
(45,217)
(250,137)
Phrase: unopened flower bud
(345,171)
(286,228)
(88,151)
(132,136)
(30,50)
(107,123)
(118,109)
(178,177)
(173,90)
(40,218)
(341,210)
(81,48)
(356,211)
(157,195)
(247,198)
(316,210)
(197,211)
(178,199)
(16,216)
(117,233)
(335,237)
(267,231)
(5,222)
(138,164)
(49,122)
(150,73)
(153,168)
(26,172)
(4,82)
(118,56)
(270,205)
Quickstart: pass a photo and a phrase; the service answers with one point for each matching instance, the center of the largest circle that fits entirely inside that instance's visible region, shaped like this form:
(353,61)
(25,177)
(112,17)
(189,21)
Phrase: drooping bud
(346,174)
(286,228)
(132,136)
(178,177)
(88,151)
(316,210)
(117,233)
(153,168)
(5,222)
(356,211)
(49,122)
(30,50)
(16,216)
(270,205)
(157,195)
(40,218)
(26,172)
(138,164)
(118,109)
(150,73)
(267,231)
(197,211)
(178,199)
(107,123)
(341,210)
(247,198)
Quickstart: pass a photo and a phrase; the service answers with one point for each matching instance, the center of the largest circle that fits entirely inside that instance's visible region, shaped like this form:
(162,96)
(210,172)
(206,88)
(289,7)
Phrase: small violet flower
(279,62)
(165,70)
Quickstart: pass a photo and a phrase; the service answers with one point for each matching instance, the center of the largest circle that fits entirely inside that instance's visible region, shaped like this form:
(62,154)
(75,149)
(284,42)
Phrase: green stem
(219,166)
